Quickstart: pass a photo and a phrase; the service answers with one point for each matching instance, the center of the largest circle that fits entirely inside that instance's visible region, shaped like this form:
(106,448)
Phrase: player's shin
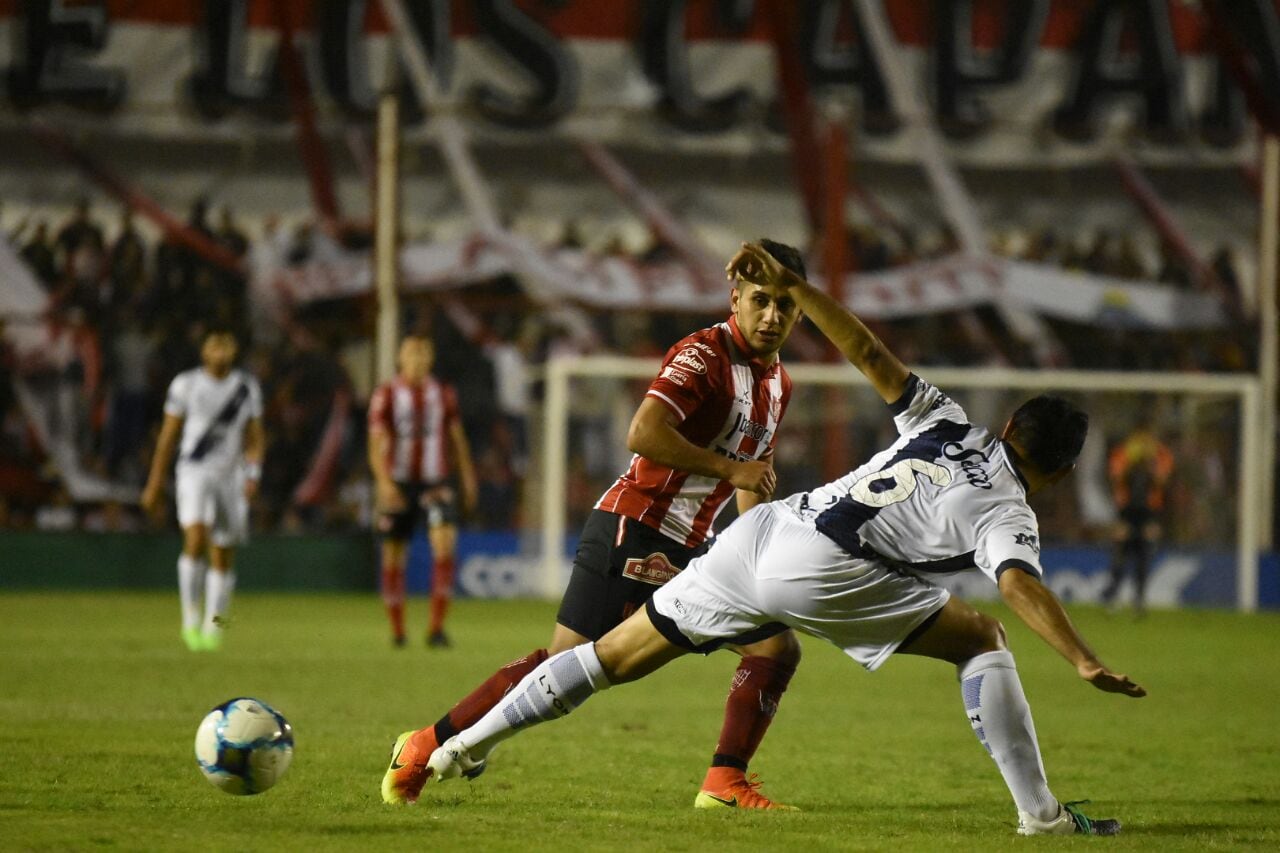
(998,711)
(756,690)
(553,689)
(217,600)
(477,703)
(191,572)
(392,588)
(441,593)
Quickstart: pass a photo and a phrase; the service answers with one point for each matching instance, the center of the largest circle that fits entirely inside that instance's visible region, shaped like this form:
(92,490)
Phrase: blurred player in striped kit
(216,410)
(416,441)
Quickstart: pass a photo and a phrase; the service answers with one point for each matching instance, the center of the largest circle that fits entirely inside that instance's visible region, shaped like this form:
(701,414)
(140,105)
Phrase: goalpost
(1196,399)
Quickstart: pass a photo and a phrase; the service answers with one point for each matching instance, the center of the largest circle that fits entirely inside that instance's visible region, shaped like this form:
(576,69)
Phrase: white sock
(217,597)
(1001,719)
(555,687)
(191,572)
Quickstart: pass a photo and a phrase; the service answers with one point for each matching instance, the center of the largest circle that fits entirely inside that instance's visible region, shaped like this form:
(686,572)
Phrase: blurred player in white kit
(213,417)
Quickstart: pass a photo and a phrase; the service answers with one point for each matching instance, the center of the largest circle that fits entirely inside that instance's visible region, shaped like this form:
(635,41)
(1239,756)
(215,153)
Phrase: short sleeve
(922,405)
(379,408)
(175,401)
(687,377)
(1011,542)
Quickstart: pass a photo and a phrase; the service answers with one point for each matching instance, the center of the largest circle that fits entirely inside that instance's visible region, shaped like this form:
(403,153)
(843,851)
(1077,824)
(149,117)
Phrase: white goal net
(1207,551)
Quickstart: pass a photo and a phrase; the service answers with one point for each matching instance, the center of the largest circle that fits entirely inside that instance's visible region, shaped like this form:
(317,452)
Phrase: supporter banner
(952,283)
(1035,82)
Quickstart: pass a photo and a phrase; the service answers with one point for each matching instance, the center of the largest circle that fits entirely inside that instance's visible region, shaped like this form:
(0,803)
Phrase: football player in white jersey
(851,562)
(216,412)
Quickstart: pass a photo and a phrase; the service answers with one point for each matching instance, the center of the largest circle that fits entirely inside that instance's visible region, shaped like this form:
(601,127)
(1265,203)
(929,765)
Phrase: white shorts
(216,500)
(772,566)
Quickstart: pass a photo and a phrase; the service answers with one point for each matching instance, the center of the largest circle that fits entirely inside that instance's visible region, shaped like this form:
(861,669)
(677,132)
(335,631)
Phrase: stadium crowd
(128,313)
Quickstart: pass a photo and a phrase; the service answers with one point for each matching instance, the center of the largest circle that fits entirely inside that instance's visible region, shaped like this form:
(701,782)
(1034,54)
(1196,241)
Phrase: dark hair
(1049,430)
(788,256)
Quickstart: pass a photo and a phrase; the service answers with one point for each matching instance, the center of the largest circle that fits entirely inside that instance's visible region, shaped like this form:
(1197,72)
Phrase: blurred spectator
(130,352)
(80,232)
(509,353)
(38,253)
(1173,269)
(1223,265)
(127,264)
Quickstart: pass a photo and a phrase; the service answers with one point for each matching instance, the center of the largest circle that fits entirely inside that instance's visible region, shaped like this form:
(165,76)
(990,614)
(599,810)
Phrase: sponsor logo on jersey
(971,463)
(750,429)
(679,377)
(1028,540)
(707,349)
(654,569)
(689,359)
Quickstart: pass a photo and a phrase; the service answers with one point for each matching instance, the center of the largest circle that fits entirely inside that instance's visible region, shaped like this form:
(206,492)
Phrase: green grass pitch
(99,703)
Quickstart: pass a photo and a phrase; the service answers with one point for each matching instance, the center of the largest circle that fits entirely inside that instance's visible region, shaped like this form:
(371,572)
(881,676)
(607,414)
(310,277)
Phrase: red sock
(441,592)
(469,711)
(754,695)
(393,596)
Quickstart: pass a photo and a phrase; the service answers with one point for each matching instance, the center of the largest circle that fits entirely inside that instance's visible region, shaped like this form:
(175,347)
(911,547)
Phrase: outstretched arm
(1037,606)
(855,341)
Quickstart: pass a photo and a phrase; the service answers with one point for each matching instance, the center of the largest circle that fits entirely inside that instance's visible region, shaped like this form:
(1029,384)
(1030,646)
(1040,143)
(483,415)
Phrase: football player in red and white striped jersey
(416,441)
(705,431)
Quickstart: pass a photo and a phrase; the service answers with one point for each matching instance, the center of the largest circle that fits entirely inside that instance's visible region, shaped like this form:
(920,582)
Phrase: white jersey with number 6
(850,562)
(943,498)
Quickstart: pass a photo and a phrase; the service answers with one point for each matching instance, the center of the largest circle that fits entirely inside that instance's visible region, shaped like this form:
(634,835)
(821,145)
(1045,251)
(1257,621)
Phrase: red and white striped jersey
(726,401)
(417,419)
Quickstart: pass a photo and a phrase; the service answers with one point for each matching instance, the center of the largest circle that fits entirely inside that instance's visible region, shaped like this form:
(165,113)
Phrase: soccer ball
(243,746)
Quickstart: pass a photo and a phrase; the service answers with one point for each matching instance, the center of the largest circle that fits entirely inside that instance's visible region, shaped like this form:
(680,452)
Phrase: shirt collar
(744,348)
(1010,457)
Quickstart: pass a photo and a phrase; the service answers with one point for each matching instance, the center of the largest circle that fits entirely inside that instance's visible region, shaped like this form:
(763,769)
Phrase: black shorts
(432,503)
(619,564)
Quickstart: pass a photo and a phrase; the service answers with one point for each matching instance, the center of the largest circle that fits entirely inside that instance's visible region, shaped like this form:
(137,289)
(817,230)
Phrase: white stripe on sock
(554,688)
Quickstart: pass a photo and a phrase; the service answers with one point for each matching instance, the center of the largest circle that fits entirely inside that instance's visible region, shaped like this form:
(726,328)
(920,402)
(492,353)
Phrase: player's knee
(783,648)
(195,540)
(990,634)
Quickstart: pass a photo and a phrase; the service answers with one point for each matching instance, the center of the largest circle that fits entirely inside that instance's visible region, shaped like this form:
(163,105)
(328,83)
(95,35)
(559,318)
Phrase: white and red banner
(953,283)
(1032,82)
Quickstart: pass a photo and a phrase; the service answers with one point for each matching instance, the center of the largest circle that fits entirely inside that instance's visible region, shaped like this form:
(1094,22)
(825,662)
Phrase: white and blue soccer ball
(244,746)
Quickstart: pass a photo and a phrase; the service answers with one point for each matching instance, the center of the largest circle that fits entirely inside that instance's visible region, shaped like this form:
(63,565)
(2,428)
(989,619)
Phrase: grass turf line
(99,702)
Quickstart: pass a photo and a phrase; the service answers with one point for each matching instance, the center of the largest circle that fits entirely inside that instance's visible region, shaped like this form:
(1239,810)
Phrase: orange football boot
(729,788)
(408,770)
